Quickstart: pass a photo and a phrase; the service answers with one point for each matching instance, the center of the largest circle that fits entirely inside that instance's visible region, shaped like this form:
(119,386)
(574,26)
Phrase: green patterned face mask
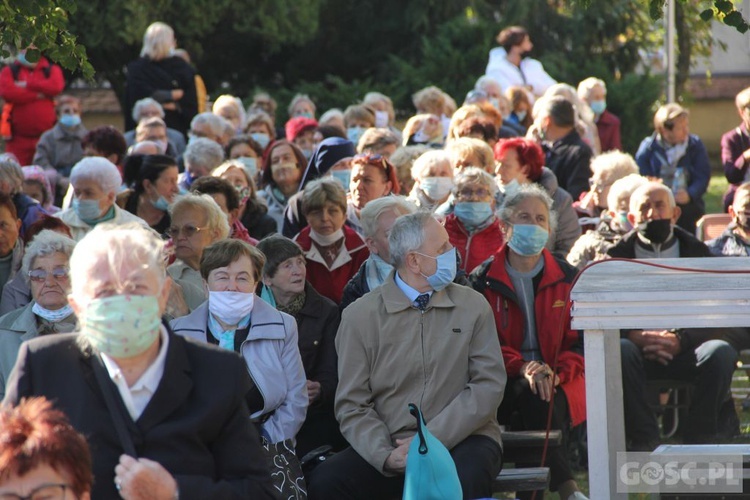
(122,326)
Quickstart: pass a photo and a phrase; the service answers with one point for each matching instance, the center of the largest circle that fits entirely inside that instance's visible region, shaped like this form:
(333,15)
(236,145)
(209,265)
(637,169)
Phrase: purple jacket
(733,144)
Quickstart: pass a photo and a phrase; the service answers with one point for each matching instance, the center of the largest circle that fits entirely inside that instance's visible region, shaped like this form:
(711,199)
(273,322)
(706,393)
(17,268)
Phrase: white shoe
(578,496)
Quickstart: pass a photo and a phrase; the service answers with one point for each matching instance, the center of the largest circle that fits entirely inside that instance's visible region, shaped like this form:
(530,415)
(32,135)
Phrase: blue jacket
(651,156)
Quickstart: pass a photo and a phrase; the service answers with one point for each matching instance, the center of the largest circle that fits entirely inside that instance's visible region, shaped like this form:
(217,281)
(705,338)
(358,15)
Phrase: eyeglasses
(40,275)
(188,230)
(467,193)
(599,187)
(43,492)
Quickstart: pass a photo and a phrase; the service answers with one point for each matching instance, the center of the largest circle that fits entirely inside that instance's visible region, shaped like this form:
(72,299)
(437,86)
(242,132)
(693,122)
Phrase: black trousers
(347,476)
(522,410)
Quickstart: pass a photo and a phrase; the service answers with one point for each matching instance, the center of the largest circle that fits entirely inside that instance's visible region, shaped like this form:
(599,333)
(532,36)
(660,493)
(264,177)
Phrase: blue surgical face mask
(445,272)
(495,102)
(598,107)
(622,220)
(305,114)
(436,188)
(528,239)
(70,120)
(86,210)
(343,176)
(249,164)
(161,204)
(521,115)
(354,133)
(510,188)
(261,138)
(473,213)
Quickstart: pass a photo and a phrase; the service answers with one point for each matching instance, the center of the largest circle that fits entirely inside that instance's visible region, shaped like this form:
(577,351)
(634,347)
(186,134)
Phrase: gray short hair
(475,175)
(216,220)
(615,164)
(216,123)
(98,170)
(742,100)
(428,160)
(229,100)
(407,235)
(145,103)
(525,192)
(44,244)
(560,110)
(589,84)
(113,245)
(486,80)
(300,98)
(641,190)
(11,172)
(370,215)
(204,153)
(624,187)
(331,114)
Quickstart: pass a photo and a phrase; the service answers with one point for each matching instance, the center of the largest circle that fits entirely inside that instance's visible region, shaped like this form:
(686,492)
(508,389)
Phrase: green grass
(713,196)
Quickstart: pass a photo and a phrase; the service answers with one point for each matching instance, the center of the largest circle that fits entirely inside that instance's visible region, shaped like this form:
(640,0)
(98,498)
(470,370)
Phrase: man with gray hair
(567,155)
(418,338)
(148,107)
(210,126)
(202,155)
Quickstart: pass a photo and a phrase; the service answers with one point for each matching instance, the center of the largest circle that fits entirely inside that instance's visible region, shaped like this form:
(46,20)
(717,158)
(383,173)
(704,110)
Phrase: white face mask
(326,240)
(436,188)
(230,307)
(381,119)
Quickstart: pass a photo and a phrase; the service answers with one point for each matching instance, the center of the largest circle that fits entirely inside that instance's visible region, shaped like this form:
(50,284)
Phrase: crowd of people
(213,289)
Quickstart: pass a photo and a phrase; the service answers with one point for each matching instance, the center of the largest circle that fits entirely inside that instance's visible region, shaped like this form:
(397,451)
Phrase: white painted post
(604,413)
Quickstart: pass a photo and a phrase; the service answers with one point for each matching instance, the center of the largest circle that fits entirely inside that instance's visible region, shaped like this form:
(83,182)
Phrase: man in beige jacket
(419,338)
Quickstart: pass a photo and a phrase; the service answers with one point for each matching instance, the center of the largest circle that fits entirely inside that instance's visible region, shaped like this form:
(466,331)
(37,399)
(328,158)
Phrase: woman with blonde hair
(159,74)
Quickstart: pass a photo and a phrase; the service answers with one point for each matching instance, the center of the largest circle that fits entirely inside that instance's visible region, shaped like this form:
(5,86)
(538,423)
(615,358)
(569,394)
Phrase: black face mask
(656,231)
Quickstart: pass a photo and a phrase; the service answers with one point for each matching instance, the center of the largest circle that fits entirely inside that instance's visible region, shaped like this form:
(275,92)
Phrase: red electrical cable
(563,325)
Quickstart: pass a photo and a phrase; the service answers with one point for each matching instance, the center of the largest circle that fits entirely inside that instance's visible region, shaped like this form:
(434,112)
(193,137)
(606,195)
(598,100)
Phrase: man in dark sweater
(701,356)
(567,155)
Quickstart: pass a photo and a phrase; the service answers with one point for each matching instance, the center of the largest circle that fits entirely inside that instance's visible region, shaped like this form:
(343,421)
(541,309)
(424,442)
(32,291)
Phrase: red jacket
(33,105)
(476,247)
(608,126)
(551,293)
(331,282)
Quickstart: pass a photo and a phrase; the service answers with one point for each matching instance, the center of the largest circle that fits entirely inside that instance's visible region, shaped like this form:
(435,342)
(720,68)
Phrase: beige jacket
(79,229)
(446,360)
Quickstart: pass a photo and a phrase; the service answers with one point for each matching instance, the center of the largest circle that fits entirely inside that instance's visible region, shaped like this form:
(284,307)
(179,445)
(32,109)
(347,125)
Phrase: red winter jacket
(551,292)
(476,247)
(608,127)
(33,105)
(331,283)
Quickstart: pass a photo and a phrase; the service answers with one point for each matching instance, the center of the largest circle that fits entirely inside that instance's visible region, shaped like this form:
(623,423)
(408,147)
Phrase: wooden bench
(526,479)
(614,295)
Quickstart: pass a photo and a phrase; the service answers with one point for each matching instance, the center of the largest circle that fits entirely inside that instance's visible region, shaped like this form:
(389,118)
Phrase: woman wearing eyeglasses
(197,221)
(372,177)
(473,227)
(42,457)
(521,161)
(45,265)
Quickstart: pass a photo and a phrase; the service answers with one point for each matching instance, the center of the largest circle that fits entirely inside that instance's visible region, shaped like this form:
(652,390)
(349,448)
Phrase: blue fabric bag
(430,470)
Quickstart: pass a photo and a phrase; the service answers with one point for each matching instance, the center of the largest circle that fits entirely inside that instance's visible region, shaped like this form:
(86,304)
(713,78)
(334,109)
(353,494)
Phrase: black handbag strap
(108,388)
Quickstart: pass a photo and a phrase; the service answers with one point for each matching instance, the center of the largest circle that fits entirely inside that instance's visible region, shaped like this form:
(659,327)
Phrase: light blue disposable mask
(598,107)
(436,188)
(445,272)
(473,213)
(249,164)
(521,115)
(70,120)
(86,210)
(343,176)
(528,239)
(306,114)
(622,220)
(354,134)
(161,204)
(261,138)
(511,188)
(495,102)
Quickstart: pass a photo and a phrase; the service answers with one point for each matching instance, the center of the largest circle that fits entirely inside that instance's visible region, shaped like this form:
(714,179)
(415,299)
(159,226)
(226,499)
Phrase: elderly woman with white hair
(473,227)
(433,180)
(614,224)
(230,108)
(161,75)
(148,107)
(95,182)
(136,389)
(197,221)
(385,115)
(301,105)
(376,218)
(11,184)
(606,168)
(593,91)
(45,267)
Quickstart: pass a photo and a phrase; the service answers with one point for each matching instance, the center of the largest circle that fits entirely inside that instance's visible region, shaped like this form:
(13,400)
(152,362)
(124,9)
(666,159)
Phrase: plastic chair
(711,226)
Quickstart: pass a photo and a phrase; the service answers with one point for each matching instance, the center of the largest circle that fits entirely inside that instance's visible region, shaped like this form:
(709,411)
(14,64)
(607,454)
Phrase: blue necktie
(422,301)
